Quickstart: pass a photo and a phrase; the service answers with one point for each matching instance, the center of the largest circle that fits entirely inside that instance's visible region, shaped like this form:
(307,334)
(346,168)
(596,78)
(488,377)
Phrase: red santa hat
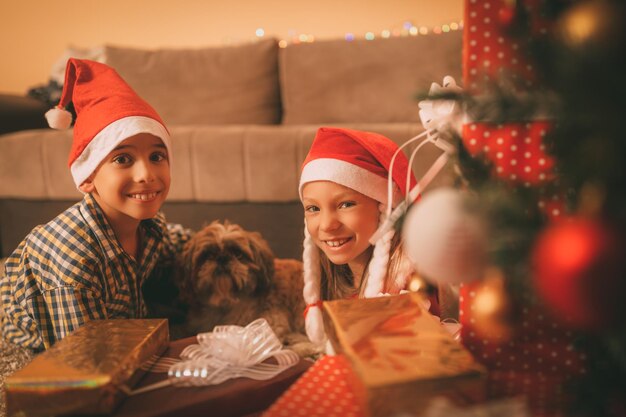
(108,111)
(360,161)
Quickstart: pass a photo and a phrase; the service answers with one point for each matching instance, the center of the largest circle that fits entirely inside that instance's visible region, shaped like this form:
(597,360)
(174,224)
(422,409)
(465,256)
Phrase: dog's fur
(228,275)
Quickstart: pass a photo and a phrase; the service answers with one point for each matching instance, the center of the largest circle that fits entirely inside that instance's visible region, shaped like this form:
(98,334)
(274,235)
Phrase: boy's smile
(146,196)
(132,182)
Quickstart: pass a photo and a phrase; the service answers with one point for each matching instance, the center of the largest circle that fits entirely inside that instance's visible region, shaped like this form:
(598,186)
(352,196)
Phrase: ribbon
(435,116)
(441,114)
(228,352)
(317,304)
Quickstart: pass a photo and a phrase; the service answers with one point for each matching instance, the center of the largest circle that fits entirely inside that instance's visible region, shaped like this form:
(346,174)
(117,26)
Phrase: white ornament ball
(444,240)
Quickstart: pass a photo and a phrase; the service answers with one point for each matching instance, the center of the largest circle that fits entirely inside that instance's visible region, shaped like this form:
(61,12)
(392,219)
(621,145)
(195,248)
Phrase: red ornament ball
(506,16)
(579,272)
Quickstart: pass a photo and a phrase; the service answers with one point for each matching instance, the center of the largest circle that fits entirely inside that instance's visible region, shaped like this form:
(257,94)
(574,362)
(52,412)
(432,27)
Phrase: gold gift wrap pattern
(400,351)
(89,371)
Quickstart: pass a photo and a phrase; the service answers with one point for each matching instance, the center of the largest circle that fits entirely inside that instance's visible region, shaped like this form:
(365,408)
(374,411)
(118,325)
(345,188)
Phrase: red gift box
(537,360)
(515,149)
(517,154)
(488,50)
(330,388)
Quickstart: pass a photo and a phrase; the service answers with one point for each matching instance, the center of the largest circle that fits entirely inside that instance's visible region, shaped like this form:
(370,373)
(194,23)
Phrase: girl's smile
(337,243)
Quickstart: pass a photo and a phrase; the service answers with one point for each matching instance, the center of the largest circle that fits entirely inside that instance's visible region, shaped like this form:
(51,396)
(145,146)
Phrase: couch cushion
(364,81)
(221,85)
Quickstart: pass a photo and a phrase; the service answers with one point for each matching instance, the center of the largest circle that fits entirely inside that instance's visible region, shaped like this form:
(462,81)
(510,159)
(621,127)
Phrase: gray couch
(242,119)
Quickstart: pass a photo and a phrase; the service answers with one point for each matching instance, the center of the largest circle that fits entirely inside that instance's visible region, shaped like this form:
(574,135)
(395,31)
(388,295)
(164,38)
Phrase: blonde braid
(314,322)
(377,269)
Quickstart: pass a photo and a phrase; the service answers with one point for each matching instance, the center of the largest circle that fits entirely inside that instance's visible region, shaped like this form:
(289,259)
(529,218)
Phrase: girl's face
(132,182)
(340,221)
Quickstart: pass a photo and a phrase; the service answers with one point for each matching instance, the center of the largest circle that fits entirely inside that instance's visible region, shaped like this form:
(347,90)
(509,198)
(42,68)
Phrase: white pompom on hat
(360,161)
(108,112)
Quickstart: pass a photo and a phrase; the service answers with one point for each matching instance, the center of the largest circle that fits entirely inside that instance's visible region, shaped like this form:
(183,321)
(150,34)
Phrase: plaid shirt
(73,270)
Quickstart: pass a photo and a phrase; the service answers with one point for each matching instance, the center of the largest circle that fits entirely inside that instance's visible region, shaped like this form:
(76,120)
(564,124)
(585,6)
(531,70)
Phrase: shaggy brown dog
(230,276)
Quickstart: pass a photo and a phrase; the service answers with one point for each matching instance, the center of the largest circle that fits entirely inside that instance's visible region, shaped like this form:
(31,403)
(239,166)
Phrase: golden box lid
(101,352)
(393,339)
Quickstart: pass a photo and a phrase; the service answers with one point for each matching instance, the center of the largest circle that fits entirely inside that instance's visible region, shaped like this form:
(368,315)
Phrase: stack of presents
(392,357)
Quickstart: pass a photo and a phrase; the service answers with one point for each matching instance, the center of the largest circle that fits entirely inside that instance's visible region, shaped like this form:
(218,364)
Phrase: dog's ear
(194,253)
(263,257)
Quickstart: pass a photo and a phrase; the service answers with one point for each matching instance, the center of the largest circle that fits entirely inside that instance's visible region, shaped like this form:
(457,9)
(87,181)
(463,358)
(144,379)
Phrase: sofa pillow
(207,86)
(364,81)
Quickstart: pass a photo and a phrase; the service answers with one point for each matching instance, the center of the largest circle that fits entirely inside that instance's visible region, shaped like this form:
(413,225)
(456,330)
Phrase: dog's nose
(222,259)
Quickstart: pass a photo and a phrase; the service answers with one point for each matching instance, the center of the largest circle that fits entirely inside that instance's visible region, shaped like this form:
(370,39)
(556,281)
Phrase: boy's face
(132,182)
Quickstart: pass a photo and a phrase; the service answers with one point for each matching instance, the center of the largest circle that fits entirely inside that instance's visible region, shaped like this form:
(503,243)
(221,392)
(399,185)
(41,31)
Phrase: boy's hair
(108,112)
(360,161)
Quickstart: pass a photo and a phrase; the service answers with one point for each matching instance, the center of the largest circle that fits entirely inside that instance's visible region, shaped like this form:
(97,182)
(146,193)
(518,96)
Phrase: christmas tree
(540,215)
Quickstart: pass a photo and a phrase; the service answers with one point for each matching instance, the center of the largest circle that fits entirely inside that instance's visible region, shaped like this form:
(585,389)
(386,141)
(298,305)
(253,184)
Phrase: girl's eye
(122,159)
(347,204)
(158,157)
(311,209)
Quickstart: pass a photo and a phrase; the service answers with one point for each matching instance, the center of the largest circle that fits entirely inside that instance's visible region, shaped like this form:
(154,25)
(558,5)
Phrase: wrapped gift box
(88,371)
(401,353)
(329,388)
(537,360)
(489,52)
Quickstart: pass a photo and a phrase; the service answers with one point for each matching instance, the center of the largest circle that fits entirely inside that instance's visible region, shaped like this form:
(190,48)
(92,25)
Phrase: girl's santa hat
(360,161)
(108,111)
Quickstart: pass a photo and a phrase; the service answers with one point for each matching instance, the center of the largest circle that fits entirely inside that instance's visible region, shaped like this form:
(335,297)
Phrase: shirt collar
(154,228)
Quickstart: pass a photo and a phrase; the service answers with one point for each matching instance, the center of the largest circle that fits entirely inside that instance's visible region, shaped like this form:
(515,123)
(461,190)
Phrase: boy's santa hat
(360,161)
(108,111)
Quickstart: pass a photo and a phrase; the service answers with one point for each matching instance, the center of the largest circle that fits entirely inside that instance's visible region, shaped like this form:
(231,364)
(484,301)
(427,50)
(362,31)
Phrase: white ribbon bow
(439,114)
(227,352)
(231,352)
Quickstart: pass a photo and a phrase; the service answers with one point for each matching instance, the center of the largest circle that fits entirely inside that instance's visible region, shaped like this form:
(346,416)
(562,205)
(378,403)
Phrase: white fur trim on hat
(112,135)
(348,175)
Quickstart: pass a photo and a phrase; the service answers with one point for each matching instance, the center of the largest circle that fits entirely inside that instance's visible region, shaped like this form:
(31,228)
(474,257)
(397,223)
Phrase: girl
(343,189)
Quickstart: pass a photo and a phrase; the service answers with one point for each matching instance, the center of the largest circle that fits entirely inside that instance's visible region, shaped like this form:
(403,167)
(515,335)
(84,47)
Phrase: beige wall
(34,33)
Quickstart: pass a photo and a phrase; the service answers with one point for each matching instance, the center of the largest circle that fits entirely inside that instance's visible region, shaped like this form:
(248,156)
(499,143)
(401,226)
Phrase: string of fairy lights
(408,28)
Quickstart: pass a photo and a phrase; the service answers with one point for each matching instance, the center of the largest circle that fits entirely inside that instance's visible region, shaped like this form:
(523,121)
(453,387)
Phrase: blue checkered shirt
(73,270)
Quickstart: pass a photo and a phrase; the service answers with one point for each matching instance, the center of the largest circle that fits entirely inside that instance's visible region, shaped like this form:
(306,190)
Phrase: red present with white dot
(329,388)
(518,155)
(536,360)
(516,150)
(488,53)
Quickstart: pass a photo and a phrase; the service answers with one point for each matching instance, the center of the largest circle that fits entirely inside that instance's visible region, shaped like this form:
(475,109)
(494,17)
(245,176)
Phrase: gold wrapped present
(88,371)
(401,354)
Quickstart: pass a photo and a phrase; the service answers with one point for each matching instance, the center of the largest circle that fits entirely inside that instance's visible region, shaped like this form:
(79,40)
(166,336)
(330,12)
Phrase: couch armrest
(21,113)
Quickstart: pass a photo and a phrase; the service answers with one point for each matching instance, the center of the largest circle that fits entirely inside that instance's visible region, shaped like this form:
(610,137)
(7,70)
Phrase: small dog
(228,275)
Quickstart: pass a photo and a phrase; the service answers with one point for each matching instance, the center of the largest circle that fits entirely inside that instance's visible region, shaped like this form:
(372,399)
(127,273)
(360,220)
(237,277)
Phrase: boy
(91,261)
